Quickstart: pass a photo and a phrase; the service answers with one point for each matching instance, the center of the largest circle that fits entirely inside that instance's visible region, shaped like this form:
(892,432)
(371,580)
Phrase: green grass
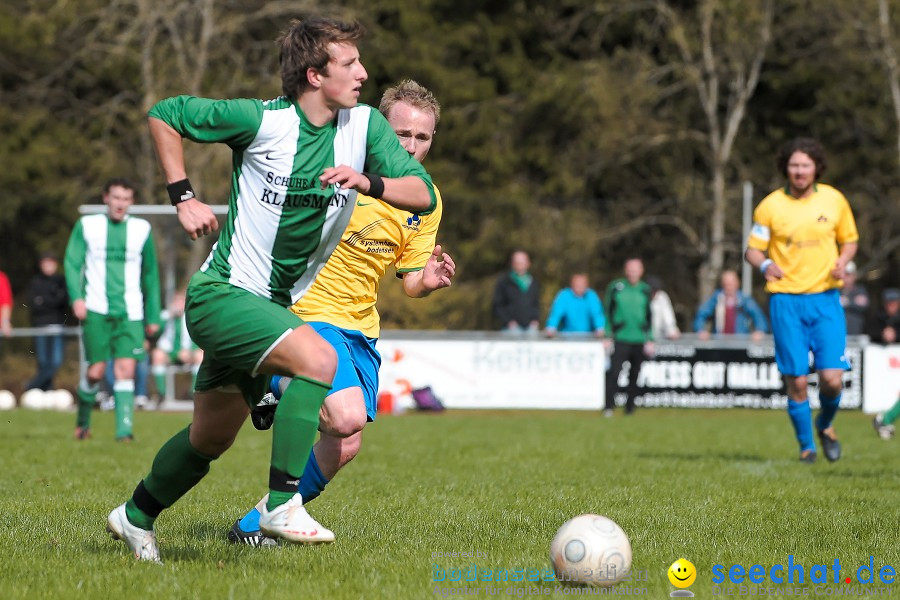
(717,487)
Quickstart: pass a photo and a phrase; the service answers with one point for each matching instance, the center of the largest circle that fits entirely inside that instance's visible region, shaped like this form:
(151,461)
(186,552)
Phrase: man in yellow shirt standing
(803,236)
(340,306)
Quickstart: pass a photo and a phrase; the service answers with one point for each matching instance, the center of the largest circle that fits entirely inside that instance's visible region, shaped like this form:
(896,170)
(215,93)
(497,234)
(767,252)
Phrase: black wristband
(376,185)
(180,191)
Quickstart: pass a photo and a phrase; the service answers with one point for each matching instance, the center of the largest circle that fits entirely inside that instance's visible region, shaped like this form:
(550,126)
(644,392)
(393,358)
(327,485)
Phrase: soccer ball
(7,400)
(33,399)
(591,550)
(62,399)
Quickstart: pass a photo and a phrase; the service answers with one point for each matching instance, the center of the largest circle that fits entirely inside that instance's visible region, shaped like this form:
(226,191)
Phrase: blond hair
(412,93)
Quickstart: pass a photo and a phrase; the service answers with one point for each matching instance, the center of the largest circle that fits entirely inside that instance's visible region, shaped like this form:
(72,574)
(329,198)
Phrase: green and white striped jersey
(281,226)
(112,266)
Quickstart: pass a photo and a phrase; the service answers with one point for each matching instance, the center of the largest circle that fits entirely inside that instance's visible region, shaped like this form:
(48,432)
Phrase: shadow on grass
(694,456)
(116,549)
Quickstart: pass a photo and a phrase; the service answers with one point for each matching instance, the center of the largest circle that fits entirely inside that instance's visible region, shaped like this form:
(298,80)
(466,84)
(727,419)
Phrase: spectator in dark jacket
(855,300)
(885,327)
(516,299)
(49,302)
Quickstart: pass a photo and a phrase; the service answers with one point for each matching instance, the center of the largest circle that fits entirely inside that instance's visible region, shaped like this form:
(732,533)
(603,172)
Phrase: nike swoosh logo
(269,157)
(358,203)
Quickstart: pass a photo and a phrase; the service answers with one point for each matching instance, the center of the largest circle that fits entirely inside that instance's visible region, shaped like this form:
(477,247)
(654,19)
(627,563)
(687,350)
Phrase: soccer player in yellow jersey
(341,304)
(803,236)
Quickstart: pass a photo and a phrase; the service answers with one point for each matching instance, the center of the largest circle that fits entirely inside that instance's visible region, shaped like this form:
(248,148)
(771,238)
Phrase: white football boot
(291,522)
(141,542)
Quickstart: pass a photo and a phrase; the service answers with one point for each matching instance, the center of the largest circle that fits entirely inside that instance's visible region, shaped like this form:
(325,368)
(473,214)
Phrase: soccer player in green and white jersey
(113,281)
(298,163)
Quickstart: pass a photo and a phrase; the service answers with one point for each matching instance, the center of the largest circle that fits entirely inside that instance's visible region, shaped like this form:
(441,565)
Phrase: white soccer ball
(33,399)
(62,399)
(591,550)
(7,400)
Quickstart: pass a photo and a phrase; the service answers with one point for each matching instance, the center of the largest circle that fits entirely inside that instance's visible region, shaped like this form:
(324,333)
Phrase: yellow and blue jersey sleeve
(421,239)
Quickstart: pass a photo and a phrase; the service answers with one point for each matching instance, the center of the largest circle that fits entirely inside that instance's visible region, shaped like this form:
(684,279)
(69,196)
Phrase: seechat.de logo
(794,573)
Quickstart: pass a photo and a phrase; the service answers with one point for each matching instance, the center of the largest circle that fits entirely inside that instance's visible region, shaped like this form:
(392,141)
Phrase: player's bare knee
(796,387)
(319,364)
(831,383)
(349,424)
(342,419)
(95,372)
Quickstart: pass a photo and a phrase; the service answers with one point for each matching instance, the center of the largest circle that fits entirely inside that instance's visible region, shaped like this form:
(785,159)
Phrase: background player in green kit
(298,162)
(113,281)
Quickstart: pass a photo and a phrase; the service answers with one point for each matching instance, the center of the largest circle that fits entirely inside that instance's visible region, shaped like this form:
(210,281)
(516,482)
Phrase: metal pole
(746,269)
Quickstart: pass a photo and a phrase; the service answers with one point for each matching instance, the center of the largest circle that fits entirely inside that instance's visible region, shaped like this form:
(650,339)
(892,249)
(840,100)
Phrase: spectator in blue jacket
(730,311)
(576,309)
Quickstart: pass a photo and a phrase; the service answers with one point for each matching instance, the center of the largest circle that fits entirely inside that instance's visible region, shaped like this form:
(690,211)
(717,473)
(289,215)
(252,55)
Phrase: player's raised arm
(406,193)
(196,218)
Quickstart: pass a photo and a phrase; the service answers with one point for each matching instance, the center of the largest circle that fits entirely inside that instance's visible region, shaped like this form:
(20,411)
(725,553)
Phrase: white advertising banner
(542,374)
(881,377)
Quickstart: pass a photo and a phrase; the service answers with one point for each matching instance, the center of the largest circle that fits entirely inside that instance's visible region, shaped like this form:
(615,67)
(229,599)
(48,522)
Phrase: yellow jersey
(802,235)
(377,236)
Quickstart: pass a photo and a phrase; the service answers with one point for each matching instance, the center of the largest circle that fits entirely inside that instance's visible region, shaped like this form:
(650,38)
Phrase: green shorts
(108,337)
(236,330)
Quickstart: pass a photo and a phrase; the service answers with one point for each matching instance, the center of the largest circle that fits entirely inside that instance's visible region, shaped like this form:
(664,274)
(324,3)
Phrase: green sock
(159,376)
(137,517)
(891,415)
(293,435)
(123,392)
(176,469)
(85,396)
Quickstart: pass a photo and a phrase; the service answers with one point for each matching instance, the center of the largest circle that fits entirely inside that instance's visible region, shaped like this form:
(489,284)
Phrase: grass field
(716,487)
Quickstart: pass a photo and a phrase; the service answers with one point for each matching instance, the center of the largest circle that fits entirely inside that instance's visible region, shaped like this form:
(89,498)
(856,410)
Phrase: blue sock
(801,418)
(250,522)
(312,482)
(275,386)
(311,485)
(827,411)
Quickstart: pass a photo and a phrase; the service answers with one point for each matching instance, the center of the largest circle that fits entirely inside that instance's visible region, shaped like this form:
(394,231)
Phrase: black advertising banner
(686,375)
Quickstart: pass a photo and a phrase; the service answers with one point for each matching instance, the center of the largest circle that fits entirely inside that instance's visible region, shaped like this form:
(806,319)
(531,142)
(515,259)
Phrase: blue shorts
(357,365)
(808,322)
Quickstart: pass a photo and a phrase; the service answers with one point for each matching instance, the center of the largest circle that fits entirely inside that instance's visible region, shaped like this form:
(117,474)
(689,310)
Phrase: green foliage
(564,123)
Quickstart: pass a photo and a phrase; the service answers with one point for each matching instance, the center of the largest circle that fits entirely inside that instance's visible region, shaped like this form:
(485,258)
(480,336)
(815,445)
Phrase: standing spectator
(111,273)
(855,300)
(629,318)
(49,304)
(730,311)
(663,323)
(886,323)
(6,302)
(576,309)
(516,296)
(803,236)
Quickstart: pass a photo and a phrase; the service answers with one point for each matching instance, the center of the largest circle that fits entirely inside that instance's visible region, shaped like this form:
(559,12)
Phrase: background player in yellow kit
(801,227)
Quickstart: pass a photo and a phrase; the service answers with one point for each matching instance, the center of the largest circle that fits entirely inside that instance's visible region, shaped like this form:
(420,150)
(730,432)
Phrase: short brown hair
(305,46)
(118,182)
(412,93)
(808,146)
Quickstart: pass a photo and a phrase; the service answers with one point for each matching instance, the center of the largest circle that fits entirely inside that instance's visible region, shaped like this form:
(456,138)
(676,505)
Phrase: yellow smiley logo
(682,573)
